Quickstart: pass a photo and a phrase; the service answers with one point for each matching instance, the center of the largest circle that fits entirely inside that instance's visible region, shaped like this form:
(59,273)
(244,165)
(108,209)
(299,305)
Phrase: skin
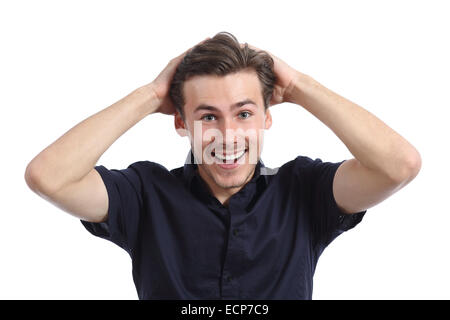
(222,93)
(383,163)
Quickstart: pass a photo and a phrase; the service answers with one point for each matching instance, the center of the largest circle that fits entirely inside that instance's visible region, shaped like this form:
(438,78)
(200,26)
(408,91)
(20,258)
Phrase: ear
(180,126)
(268,120)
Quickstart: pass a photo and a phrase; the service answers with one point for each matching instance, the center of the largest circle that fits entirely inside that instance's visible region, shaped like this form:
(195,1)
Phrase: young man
(224,226)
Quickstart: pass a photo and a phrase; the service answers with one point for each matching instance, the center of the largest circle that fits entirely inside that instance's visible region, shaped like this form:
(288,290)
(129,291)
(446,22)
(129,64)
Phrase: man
(224,226)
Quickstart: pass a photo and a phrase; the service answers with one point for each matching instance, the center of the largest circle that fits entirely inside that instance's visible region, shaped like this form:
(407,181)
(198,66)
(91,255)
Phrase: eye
(245,114)
(208,117)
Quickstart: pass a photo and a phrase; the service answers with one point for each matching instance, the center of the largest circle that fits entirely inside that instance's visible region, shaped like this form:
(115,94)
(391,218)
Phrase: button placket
(230,287)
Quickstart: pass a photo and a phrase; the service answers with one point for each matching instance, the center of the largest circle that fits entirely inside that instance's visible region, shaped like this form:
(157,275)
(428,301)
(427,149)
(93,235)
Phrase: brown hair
(222,55)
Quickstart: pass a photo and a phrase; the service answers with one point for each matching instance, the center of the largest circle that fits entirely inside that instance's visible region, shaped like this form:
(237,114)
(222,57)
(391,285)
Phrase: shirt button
(235,232)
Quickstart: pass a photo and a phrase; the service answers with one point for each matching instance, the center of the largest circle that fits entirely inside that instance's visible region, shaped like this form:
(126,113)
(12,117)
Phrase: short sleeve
(124,209)
(327,220)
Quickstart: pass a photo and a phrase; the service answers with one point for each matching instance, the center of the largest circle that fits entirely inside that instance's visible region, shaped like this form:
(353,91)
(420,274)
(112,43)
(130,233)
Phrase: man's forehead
(222,91)
(239,104)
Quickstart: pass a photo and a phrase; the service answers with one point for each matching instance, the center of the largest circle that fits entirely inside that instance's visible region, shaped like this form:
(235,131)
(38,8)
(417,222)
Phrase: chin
(234,179)
(233,172)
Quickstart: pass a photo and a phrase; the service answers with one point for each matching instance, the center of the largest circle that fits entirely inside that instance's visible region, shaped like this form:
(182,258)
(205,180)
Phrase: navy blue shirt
(184,244)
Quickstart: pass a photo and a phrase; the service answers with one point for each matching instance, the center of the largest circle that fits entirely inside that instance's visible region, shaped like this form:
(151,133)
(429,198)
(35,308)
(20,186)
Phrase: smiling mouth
(233,158)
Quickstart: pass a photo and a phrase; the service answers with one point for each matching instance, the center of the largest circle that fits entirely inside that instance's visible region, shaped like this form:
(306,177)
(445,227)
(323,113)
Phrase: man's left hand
(286,79)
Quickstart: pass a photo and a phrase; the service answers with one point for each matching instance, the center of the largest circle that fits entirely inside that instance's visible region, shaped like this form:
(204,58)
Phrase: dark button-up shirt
(184,244)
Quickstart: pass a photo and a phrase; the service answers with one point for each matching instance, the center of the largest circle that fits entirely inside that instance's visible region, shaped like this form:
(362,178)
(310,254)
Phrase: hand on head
(161,84)
(286,77)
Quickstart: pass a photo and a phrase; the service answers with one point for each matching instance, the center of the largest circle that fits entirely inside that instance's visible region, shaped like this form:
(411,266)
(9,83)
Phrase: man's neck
(222,194)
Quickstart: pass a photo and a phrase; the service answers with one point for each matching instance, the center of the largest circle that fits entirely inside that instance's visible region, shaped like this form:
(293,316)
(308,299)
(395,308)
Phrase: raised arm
(384,161)
(64,174)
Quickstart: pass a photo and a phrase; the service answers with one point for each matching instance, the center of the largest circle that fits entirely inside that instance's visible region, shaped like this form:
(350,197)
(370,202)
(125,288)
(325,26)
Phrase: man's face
(225,119)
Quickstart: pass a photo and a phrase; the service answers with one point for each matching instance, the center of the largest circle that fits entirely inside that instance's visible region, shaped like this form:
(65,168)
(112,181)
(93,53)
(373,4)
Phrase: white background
(64,61)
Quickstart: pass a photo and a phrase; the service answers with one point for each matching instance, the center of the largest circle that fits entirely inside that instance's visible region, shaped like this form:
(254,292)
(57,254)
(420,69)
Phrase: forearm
(75,153)
(374,144)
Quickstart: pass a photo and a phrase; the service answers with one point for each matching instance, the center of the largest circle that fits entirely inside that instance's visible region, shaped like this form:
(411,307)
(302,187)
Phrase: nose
(233,138)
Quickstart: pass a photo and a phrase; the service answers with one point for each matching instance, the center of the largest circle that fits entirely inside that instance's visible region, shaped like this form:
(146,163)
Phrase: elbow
(30,178)
(409,168)
(413,165)
(34,181)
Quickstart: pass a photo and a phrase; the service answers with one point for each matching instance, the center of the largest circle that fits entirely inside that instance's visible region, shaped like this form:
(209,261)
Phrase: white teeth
(230,157)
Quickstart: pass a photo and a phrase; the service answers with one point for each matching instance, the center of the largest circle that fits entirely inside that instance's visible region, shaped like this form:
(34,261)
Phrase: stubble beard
(232,184)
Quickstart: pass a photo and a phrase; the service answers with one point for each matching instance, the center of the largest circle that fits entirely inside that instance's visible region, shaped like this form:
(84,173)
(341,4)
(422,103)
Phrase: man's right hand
(161,84)
(64,173)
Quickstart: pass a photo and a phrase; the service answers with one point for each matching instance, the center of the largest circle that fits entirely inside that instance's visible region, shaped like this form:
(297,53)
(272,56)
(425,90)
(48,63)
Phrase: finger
(258,49)
(207,38)
(254,48)
(250,46)
(185,52)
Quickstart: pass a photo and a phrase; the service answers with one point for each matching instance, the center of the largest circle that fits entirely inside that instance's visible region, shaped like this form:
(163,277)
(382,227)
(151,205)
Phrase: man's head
(222,90)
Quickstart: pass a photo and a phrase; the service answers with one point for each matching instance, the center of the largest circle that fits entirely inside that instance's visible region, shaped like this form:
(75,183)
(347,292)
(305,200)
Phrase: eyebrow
(234,105)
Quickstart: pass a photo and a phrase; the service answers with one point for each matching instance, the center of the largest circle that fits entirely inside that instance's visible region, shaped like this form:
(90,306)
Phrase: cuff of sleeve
(346,221)
(108,229)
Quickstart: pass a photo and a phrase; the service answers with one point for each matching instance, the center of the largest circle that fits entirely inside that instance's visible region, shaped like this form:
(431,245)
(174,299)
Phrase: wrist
(300,88)
(150,98)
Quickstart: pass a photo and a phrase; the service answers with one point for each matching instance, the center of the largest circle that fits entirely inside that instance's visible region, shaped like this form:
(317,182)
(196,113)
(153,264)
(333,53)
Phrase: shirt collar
(190,170)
